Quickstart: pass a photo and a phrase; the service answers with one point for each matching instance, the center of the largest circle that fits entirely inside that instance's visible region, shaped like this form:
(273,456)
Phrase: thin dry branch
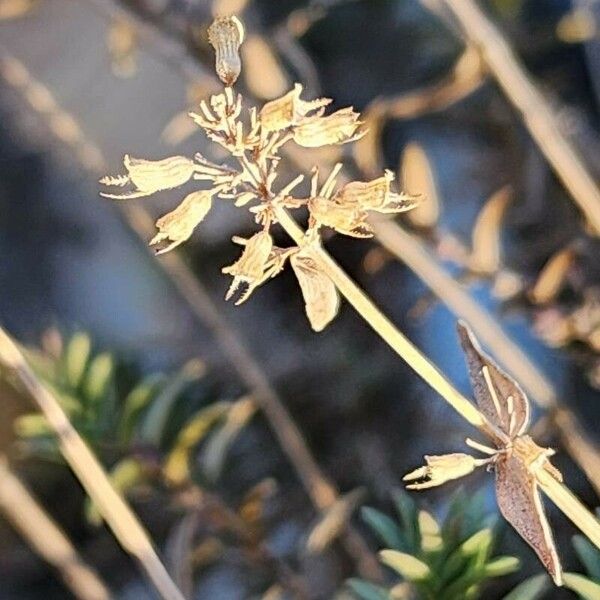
(535,111)
(116,512)
(46,538)
(410,250)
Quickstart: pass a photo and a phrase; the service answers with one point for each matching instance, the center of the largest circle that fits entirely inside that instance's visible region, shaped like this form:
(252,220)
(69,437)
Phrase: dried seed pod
(226,35)
(150,176)
(290,110)
(250,268)
(376,195)
(340,127)
(178,225)
(319,292)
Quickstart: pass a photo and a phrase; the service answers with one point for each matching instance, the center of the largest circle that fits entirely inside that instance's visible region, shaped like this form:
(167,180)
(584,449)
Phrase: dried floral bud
(440,469)
(290,110)
(150,176)
(338,128)
(348,220)
(178,225)
(251,267)
(320,295)
(376,195)
(226,35)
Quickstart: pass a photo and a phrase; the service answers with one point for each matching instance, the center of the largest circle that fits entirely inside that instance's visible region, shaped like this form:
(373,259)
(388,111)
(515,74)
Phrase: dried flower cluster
(254,139)
(516,458)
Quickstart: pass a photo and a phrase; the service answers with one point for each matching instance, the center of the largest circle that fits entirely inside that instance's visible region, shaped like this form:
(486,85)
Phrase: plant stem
(407,248)
(535,111)
(46,538)
(116,512)
(564,499)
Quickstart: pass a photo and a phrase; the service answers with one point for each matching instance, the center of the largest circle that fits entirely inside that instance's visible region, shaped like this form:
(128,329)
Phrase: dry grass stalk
(116,512)
(256,150)
(46,538)
(535,111)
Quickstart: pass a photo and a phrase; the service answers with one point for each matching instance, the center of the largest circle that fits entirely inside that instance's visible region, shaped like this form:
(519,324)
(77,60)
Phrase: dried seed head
(289,110)
(150,176)
(226,35)
(376,195)
(178,225)
(443,468)
(338,128)
(251,267)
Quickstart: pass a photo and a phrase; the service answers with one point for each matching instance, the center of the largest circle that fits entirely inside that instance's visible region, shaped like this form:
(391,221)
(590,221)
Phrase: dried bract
(226,35)
(178,225)
(290,110)
(376,195)
(151,176)
(339,127)
(320,295)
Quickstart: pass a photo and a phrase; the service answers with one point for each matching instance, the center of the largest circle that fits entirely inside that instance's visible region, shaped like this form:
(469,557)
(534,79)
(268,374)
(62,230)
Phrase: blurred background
(140,349)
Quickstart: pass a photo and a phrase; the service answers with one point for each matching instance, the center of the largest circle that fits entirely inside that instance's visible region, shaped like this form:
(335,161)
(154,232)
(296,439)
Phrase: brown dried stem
(46,538)
(116,512)
(535,111)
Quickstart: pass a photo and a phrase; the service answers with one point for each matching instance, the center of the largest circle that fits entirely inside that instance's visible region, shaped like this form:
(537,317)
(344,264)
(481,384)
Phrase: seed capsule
(226,35)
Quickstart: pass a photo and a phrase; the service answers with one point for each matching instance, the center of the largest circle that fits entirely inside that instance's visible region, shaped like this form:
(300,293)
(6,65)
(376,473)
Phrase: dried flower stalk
(117,513)
(256,149)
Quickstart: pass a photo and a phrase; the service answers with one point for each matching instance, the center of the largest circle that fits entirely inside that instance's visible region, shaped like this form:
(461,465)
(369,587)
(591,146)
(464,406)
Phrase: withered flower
(150,176)
(515,457)
(179,224)
(290,110)
(257,264)
(348,220)
(225,35)
(376,195)
(442,468)
(339,127)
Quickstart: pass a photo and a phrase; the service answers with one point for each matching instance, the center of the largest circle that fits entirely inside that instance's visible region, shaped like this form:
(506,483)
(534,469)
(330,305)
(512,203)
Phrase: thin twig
(535,111)
(116,512)
(564,499)
(46,537)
